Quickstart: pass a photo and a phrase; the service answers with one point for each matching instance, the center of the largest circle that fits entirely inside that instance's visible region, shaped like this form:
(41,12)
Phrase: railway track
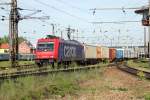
(134,71)
(33,70)
(42,71)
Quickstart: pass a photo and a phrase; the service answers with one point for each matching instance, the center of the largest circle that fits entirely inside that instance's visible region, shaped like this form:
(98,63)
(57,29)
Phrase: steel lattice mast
(13,33)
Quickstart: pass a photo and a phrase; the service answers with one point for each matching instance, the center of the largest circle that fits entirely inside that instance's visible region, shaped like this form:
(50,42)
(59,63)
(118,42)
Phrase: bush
(141,75)
(36,88)
(147,96)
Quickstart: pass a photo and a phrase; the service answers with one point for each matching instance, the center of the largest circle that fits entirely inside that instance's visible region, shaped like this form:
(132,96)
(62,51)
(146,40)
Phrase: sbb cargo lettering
(69,51)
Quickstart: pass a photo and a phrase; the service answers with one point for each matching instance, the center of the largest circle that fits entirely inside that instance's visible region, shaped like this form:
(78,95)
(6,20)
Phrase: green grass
(39,88)
(139,64)
(8,64)
(147,96)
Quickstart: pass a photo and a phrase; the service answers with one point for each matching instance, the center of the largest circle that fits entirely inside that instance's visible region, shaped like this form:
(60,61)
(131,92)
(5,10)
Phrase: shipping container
(99,52)
(105,52)
(119,53)
(130,53)
(90,51)
(112,54)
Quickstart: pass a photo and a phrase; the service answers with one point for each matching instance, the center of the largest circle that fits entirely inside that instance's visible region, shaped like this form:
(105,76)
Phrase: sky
(77,15)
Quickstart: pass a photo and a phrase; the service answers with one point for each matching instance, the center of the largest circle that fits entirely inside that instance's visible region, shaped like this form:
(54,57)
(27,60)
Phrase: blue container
(70,50)
(119,53)
(4,57)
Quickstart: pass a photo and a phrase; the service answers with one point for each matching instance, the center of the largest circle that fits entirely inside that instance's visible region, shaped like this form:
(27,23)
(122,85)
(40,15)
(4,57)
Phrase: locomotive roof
(71,41)
(61,40)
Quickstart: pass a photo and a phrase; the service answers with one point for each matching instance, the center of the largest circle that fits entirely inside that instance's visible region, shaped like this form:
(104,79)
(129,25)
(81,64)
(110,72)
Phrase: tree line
(5,39)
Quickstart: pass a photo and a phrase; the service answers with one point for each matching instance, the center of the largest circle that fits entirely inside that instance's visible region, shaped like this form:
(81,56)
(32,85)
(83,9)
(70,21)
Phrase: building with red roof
(4,48)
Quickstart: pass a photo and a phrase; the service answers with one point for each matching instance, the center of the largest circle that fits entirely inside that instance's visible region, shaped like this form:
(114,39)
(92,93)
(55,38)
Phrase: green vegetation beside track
(40,88)
(141,64)
(104,83)
(8,64)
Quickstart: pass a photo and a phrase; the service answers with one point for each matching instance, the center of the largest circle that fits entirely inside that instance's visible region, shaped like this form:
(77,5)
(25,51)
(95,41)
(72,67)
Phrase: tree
(5,39)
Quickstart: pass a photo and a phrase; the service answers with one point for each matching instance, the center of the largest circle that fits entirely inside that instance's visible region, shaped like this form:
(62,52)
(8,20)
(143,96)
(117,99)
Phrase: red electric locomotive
(53,50)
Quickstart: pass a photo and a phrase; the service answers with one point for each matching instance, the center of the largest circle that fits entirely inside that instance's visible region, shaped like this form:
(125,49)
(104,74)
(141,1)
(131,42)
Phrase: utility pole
(14,18)
(61,34)
(149,32)
(145,46)
(53,29)
(69,33)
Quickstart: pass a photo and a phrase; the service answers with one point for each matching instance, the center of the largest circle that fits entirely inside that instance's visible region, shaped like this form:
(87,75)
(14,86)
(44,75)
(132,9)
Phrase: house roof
(4,46)
(28,43)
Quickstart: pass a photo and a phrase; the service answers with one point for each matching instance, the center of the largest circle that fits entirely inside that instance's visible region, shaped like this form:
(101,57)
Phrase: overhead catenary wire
(123,8)
(62,11)
(72,6)
(5,3)
(115,22)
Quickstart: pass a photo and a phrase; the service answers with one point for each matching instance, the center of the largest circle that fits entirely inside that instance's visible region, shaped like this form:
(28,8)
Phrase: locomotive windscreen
(45,46)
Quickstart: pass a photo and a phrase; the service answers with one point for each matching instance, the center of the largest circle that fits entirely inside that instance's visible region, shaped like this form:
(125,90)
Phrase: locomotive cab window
(45,46)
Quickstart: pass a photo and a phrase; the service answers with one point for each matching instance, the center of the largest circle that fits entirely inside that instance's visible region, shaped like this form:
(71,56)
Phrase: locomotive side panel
(70,51)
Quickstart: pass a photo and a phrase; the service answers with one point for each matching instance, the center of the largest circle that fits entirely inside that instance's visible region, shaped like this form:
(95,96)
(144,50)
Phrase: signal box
(145,12)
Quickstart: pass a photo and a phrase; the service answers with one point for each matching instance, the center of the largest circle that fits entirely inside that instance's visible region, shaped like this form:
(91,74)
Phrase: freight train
(23,57)
(54,50)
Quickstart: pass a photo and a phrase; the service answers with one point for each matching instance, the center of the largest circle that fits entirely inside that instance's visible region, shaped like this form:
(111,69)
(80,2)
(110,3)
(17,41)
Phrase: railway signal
(145,11)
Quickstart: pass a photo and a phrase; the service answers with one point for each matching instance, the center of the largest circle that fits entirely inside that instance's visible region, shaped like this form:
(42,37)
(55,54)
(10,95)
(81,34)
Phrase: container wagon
(130,54)
(119,54)
(112,54)
(4,56)
(105,52)
(92,54)
(25,57)
(99,53)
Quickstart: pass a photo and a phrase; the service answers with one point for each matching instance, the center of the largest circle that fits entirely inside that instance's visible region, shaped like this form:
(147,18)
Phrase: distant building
(26,47)
(4,48)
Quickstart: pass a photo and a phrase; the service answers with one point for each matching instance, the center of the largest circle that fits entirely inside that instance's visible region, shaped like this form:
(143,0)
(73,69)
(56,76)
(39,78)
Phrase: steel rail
(43,71)
(133,71)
